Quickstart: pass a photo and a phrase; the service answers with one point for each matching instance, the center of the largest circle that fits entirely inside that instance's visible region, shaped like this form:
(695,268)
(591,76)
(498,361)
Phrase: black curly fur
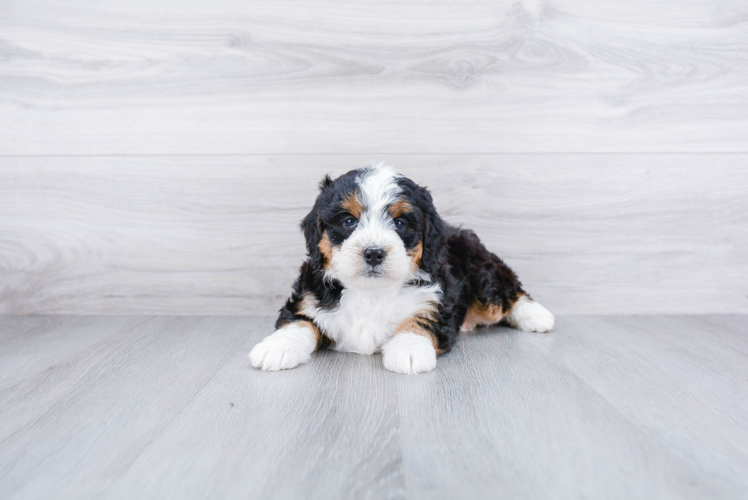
(454,257)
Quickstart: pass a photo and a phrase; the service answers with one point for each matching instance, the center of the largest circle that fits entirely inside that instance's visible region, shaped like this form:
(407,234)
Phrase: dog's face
(372,228)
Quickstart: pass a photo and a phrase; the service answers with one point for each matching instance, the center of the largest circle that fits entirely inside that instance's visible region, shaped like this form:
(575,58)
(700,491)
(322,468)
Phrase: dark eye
(350,222)
(399,224)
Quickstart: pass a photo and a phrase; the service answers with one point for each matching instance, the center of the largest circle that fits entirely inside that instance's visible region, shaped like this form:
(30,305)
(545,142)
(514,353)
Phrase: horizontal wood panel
(379,77)
(606,233)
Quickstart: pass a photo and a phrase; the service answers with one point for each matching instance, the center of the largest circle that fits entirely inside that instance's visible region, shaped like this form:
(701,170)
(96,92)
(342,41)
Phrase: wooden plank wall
(155,157)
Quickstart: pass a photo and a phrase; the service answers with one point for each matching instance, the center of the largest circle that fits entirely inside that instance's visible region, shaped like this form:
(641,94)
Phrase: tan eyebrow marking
(353,205)
(400,207)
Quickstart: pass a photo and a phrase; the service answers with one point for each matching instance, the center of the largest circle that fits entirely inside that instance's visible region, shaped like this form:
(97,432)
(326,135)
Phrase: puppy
(385,274)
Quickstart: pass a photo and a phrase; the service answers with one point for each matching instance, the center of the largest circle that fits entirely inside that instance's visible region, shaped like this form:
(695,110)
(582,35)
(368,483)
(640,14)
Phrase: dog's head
(373,228)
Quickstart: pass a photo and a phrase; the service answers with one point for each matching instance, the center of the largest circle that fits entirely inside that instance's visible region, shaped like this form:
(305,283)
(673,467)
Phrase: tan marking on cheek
(352,205)
(325,247)
(481,314)
(400,207)
(416,254)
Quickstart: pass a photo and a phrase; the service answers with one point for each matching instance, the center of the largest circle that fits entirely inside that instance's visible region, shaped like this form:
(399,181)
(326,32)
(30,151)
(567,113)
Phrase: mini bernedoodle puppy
(385,273)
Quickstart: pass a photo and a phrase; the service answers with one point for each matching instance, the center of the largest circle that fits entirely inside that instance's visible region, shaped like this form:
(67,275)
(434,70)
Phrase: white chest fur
(366,319)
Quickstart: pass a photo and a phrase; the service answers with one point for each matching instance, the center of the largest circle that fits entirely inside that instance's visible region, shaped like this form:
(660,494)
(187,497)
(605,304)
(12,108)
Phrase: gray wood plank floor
(168,407)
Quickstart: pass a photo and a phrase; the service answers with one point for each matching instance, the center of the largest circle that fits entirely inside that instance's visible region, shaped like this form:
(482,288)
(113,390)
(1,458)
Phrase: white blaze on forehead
(379,189)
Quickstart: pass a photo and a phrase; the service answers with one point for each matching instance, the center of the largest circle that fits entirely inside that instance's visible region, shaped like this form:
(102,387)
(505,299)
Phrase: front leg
(291,345)
(296,336)
(412,349)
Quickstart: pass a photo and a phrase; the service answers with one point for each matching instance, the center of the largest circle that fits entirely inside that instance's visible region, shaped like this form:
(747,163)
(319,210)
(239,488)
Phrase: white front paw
(529,316)
(288,347)
(409,353)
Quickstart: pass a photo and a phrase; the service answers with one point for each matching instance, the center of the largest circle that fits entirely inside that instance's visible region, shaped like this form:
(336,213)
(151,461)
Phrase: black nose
(374,256)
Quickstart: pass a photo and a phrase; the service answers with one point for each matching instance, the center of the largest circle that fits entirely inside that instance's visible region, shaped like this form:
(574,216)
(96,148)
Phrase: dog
(385,274)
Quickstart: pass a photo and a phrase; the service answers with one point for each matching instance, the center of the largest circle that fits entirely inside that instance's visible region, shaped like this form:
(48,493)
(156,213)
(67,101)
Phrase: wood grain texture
(329,430)
(522,424)
(30,343)
(379,77)
(168,407)
(673,366)
(116,395)
(603,234)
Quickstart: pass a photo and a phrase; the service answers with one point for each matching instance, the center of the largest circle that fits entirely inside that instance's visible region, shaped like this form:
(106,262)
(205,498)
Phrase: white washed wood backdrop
(156,156)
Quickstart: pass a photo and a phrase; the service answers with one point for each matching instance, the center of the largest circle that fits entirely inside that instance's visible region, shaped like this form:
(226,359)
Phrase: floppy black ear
(312,225)
(434,239)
